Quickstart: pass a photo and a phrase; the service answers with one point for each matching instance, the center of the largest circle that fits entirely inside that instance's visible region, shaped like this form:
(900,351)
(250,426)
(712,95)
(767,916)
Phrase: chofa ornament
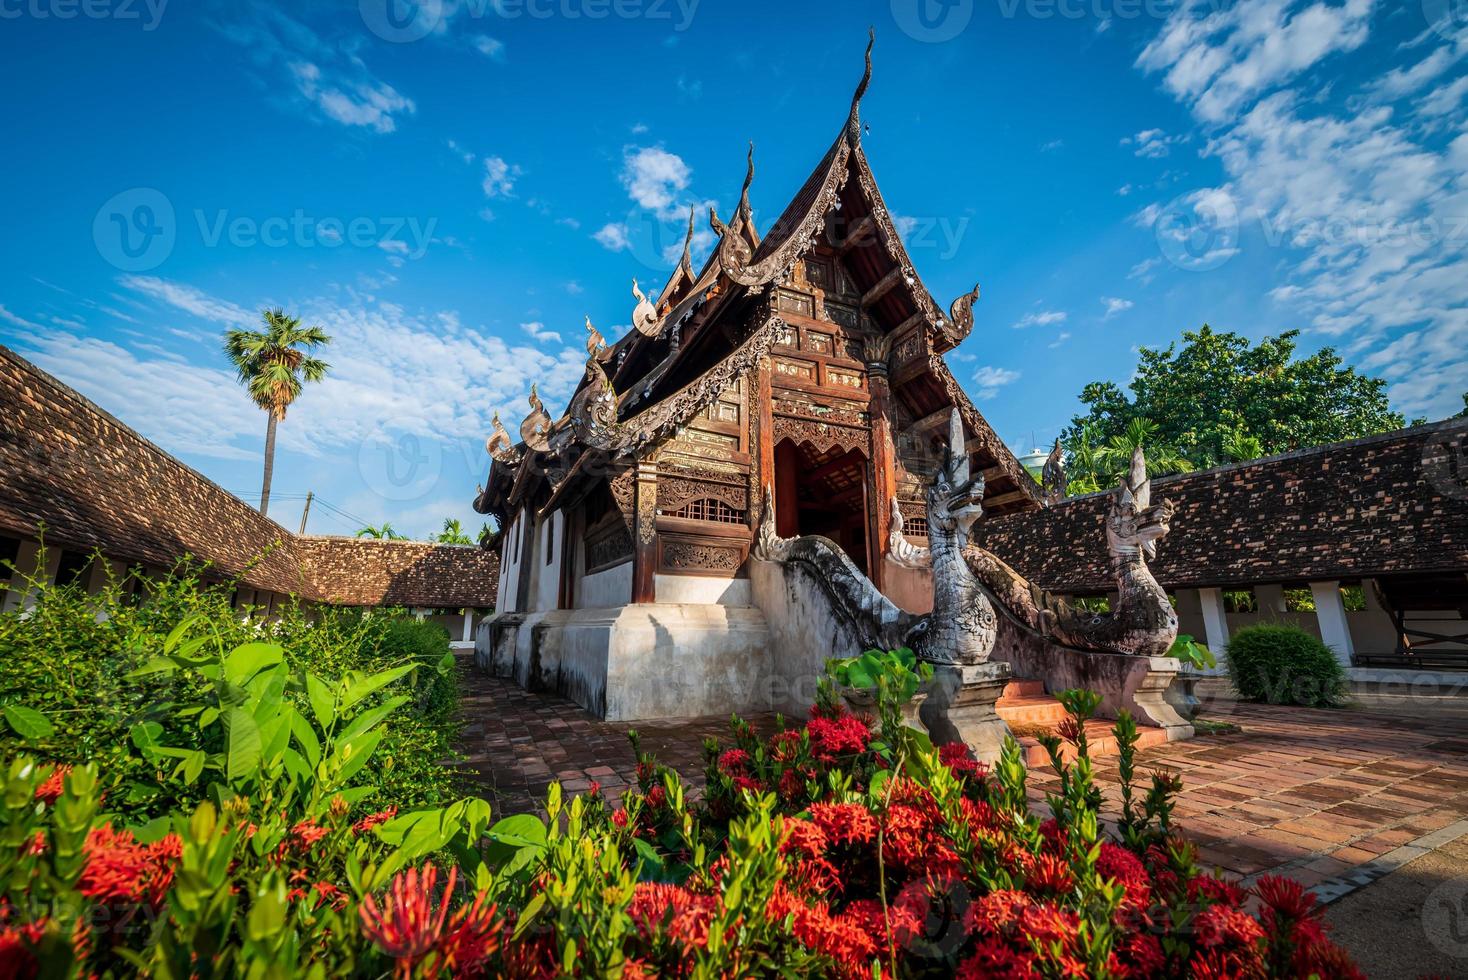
(535,430)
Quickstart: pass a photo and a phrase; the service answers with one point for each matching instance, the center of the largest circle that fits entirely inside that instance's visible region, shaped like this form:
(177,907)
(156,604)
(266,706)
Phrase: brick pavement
(1311,793)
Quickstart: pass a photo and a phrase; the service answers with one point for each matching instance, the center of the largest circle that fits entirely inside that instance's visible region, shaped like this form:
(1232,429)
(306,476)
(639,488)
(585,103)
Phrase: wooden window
(817,342)
(709,509)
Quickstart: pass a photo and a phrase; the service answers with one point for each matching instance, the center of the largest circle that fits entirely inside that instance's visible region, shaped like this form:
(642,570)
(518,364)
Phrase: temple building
(799,374)
(805,364)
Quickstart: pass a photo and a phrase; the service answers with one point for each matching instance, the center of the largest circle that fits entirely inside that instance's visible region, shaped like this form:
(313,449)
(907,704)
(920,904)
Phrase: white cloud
(499,177)
(1052,146)
(1143,269)
(361,104)
(490,47)
(990,379)
(1115,305)
(575,288)
(189,299)
(1041,319)
(18,321)
(654,177)
(462,153)
(537,330)
(1361,202)
(327,74)
(612,236)
(1218,57)
(1060,338)
(1153,143)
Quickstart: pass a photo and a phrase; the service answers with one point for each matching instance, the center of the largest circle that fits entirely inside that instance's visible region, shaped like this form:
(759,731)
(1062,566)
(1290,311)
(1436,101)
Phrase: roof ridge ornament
(745,213)
(960,316)
(535,430)
(498,445)
(645,315)
(686,262)
(853,121)
(595,342)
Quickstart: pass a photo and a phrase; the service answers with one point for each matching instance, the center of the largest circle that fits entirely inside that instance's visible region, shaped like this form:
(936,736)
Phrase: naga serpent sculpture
(969,582)
(1142,621)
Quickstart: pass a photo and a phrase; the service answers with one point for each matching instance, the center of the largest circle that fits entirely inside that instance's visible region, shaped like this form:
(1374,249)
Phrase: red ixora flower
(408,926)
(118,868)
(831,738)
(620,818)
(373,820)
(682,915)
(844,823)
(961,762)
(733,762)
(54,785)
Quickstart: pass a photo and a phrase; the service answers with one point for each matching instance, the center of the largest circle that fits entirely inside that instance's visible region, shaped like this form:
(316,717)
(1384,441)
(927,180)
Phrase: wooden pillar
(645,534)
(764,423)
(571,534)
(883,465)
(787,490)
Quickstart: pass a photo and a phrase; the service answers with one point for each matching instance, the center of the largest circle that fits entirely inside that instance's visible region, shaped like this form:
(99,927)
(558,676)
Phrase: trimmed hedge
(1285,665)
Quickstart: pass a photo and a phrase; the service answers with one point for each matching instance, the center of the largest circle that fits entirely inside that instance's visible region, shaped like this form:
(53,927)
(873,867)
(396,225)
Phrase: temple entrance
(823,493)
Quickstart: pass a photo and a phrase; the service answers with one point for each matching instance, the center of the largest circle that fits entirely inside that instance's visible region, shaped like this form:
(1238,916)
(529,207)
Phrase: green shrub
(76,661)
(1284,665)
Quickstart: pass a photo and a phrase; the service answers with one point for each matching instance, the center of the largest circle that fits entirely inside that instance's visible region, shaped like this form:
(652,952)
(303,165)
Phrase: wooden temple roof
(705,330)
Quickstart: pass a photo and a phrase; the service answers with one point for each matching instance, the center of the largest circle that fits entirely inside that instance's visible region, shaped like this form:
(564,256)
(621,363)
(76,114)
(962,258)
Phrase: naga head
(955,500)
(1135,524)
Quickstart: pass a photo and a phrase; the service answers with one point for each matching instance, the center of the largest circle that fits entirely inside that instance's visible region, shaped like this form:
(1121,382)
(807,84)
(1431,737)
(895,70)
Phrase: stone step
(1100,742)
(1043,710)
(1024,687)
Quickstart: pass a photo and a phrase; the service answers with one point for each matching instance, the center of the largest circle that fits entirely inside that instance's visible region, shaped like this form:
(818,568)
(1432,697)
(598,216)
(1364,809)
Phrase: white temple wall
(701,589)
(606,588)
(509,586)
(545,574)
(910,589)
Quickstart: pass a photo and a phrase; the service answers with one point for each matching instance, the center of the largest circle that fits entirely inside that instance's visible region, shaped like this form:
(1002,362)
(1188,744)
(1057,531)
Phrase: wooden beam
(999,500)
(940,417)
(911,321)
(882,288)
(857,235)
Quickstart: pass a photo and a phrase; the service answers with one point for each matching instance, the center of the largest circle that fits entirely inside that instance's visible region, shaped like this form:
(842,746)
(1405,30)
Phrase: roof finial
(853,121)
(594,340)
(744,209)
(686,263)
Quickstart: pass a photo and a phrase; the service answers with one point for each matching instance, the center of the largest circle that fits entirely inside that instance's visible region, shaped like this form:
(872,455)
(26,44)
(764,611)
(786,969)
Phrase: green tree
(384,532)
(1100,466)
(272,364)
(1216,398)
(453,533)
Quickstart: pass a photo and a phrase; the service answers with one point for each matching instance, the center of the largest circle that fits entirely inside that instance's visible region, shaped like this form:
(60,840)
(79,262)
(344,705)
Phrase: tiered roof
(704,331)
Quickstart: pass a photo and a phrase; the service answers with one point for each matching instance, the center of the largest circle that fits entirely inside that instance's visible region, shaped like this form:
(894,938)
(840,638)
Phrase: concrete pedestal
(960,707)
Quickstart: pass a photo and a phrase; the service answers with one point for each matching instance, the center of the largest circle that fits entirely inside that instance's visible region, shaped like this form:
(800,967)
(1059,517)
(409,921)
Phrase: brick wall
(94,483)
(1387,504)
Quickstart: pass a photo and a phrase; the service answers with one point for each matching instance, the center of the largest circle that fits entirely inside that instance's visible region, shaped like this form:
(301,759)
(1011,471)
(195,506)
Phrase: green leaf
(527,917)
(158,665)
(323,702)
(248,659)
(28,723)
(243,753)
(521,830)
(145,734)
(305,737)
(361,687)
(176,634)
(369,719)
(352,756)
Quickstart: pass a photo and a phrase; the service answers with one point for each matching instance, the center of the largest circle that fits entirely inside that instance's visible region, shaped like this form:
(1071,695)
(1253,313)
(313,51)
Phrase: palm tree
(272,370)
(1097,466)
(383,533)
(453,533)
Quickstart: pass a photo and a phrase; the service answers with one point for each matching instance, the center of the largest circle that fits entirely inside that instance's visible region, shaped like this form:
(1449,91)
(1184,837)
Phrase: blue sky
(450,187)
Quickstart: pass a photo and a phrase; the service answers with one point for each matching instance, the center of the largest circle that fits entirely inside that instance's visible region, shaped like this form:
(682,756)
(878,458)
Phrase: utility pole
(307,512)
